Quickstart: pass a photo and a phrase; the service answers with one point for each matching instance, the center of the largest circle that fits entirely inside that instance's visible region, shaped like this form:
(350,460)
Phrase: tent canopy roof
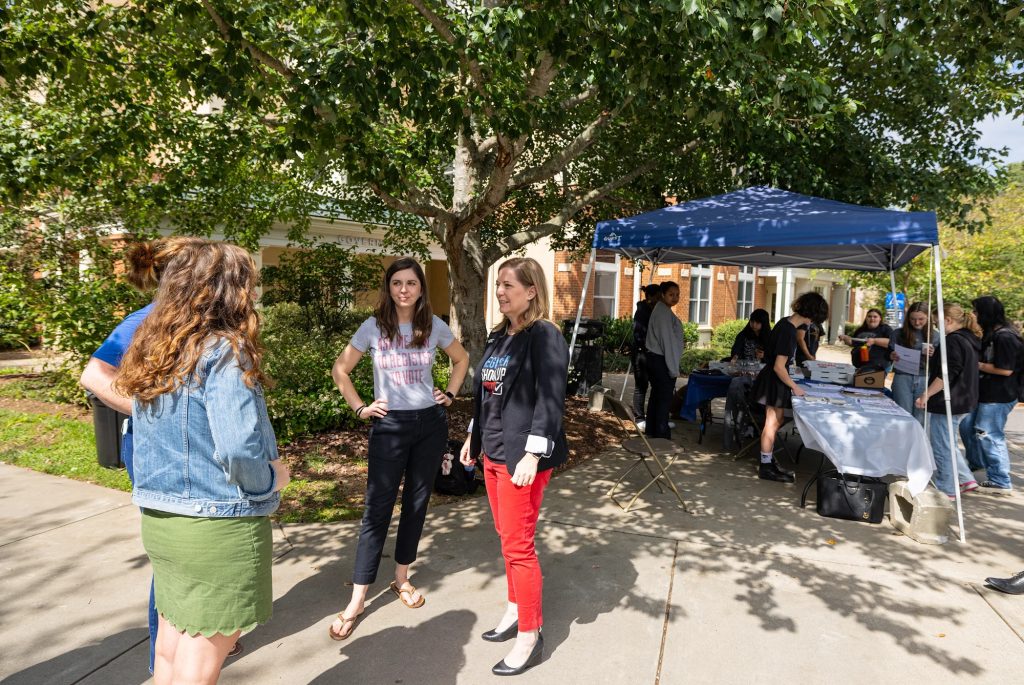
(767,227)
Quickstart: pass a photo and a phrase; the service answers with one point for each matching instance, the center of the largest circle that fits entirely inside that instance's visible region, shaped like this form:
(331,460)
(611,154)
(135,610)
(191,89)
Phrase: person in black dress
(773,387)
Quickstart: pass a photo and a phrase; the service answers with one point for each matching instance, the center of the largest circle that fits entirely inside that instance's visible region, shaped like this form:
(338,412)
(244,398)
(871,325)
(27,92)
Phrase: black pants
(661,396)
(639,384)
(403,443)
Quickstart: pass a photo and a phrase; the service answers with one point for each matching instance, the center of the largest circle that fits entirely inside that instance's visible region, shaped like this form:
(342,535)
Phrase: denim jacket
(205,448)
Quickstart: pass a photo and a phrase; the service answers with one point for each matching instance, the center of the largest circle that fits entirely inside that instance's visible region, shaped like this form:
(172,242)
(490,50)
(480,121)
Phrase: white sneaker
(671,425)
(641,425)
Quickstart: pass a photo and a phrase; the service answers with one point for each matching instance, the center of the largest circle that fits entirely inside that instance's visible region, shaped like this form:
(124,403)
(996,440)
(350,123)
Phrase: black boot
(771,471)
(501,668)
(507,634)
(1011,586)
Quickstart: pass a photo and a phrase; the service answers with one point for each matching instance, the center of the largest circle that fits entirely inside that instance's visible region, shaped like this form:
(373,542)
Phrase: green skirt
(211,575)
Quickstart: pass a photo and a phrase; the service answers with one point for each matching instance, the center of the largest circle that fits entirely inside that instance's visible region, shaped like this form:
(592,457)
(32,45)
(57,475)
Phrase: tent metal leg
(945,389)
(583,298)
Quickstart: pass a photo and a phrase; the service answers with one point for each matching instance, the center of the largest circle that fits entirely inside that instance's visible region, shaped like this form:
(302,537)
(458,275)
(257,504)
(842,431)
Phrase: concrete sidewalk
(748,588)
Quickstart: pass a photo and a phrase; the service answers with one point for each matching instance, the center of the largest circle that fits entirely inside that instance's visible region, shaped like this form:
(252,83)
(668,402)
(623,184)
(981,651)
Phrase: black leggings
(639,384)
(409,443)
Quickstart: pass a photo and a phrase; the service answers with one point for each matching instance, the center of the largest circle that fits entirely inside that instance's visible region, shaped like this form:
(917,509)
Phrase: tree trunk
(466,283)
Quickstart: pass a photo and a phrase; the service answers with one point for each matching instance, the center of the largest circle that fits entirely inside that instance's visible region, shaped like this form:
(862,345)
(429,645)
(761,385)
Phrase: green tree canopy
(485,126)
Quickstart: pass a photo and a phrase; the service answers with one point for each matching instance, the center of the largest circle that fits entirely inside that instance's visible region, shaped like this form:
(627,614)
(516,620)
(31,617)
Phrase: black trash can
(107,424)
(586,366)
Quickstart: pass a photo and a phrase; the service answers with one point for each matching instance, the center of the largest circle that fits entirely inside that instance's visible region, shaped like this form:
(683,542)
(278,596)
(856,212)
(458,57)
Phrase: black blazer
(533,396)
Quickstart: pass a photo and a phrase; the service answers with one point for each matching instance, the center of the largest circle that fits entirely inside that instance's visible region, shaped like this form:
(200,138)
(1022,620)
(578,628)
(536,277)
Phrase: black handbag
(850,497)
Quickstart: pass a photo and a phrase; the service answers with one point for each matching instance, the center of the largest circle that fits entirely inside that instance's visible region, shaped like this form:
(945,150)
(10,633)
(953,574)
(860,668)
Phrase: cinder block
(596,402)
(924,518)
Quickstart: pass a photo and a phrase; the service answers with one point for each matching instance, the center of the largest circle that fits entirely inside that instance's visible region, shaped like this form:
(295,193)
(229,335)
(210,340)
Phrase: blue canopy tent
(768,227)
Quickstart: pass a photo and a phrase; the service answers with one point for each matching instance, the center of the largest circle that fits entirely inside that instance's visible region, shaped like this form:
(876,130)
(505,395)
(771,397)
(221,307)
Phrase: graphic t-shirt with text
(401,372)
(492,376)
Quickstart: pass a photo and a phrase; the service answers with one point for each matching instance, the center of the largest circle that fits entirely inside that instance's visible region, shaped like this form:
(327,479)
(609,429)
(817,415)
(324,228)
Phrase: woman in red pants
(519,402)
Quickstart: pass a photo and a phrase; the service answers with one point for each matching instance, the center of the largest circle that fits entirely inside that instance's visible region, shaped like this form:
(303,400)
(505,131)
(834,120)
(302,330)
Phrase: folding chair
(644,448)
(752,414)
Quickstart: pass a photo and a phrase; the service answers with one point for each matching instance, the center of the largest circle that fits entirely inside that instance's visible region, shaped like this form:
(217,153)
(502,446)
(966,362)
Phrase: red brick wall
(569,284)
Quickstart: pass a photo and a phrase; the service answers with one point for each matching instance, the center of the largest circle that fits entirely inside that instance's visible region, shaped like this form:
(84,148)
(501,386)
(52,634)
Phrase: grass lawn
(55,444)
(328,469)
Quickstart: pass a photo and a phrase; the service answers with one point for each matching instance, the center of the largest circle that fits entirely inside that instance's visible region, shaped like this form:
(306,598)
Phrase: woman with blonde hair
(518,407)
(207,473)
(409,430)
(963,343)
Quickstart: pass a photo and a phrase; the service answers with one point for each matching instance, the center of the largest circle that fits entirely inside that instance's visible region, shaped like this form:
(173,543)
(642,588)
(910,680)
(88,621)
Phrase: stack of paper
(830,372)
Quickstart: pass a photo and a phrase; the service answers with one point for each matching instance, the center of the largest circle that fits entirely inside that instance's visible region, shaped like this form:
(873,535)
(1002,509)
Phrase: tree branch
(574,149)
(543,75)
(254,51)
(424,209)
(581,200)
(579,98)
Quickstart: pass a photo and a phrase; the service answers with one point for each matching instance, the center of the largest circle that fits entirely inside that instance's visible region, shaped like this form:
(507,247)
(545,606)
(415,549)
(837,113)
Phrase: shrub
(17,317)
(618,335)
(691,334)
(695,357)
(299,358)
(725,334)
(322,278)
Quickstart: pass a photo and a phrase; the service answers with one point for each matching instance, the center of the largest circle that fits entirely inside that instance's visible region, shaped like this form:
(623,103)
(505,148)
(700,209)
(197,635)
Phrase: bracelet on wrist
(359,412)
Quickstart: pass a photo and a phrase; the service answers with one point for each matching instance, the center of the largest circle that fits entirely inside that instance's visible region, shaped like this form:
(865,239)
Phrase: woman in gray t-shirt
(409,426)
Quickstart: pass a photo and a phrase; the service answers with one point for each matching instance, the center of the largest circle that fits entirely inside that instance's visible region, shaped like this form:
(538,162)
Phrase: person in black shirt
(808,337)
(773,387)
(652,294)
(983,431)
(962,345)
(875,336)
(751,342)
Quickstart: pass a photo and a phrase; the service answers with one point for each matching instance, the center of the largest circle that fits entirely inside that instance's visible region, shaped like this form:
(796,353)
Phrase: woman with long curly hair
(207,473)
(409,430)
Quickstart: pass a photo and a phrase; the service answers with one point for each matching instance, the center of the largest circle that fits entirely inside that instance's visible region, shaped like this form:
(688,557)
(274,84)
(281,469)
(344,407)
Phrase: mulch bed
(335,461)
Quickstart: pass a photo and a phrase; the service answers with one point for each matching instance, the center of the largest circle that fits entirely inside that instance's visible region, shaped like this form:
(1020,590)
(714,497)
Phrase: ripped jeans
(985,440)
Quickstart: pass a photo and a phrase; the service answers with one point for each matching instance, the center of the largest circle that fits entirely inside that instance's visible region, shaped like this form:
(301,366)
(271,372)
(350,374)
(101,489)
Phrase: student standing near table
(774,388)
(641,319)
(914,334)
(875,336)
(517,430)
(963,342)
(664,350)
(808,336)
(409,433)
(984,429)
(207,474)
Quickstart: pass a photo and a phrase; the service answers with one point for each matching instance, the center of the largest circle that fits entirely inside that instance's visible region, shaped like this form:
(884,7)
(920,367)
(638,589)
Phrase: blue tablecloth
(700,388)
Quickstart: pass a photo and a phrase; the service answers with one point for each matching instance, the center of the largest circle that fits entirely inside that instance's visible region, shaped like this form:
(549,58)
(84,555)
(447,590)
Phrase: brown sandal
(408,589)
(341,634)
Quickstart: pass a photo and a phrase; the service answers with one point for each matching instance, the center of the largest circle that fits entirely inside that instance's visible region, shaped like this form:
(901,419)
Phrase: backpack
(453,478)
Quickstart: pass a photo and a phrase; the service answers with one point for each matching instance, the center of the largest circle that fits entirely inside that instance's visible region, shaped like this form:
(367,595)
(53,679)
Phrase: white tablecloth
(866,436)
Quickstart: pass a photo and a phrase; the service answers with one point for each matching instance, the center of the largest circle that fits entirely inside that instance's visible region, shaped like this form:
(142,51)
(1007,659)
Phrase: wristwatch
(449,395)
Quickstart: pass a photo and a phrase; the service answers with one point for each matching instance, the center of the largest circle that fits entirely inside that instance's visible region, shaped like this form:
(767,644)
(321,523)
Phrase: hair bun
(141,267)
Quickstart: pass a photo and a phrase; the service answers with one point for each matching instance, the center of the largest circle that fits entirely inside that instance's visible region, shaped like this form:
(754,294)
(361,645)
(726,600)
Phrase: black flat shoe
(1011,586)
(507,634)
(771,471)
(501,668)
